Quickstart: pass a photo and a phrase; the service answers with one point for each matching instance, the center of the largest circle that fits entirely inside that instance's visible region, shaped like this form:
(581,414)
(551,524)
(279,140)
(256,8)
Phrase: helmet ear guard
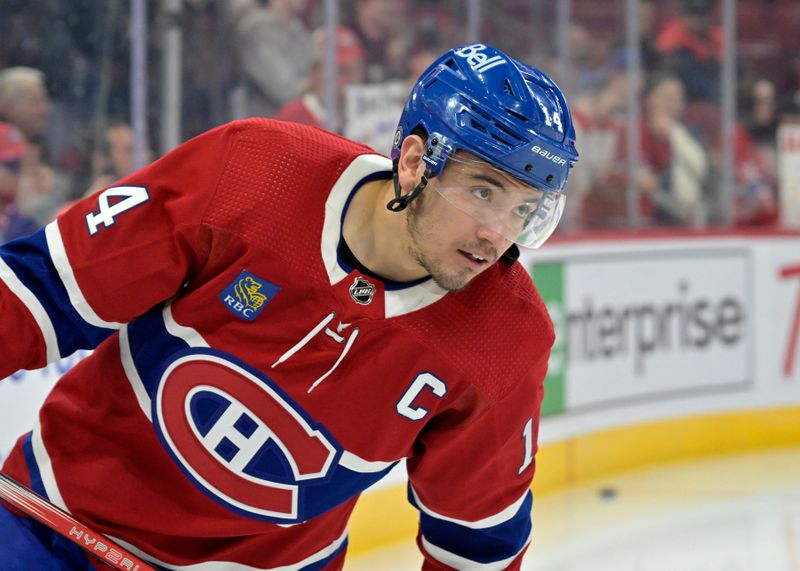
(436,154)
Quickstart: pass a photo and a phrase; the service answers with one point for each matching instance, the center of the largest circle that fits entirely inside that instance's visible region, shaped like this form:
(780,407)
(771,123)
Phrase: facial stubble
(420,234)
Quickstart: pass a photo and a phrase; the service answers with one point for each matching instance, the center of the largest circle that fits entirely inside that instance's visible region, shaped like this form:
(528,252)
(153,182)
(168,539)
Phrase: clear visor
(510,208)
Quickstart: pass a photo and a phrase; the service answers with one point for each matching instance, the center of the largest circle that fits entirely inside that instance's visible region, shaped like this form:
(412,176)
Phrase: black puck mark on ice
(607,493)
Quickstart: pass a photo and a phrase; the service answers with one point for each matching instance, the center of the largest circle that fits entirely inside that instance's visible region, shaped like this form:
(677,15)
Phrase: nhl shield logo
(362,291)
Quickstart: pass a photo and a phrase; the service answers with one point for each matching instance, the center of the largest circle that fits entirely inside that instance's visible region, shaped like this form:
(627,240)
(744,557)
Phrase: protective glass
(510,208)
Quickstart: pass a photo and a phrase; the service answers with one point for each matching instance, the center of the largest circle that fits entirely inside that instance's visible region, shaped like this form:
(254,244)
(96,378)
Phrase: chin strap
(400,202)
(510,256)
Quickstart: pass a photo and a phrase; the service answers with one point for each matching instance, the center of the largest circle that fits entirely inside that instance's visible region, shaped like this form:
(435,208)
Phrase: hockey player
(280,316)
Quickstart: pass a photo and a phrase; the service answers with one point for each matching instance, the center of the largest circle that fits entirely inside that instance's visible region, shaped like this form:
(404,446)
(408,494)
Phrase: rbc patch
(247,295)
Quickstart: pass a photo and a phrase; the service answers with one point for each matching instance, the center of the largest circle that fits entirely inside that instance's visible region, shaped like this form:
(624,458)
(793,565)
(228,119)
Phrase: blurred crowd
(680,144)
(65,82)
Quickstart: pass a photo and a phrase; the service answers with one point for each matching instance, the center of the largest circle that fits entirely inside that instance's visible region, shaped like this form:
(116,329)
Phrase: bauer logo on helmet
(548,155)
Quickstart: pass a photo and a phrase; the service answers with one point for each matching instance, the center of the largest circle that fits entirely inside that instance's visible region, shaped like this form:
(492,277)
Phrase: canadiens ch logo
(247,295)
(239,439)
(362,291)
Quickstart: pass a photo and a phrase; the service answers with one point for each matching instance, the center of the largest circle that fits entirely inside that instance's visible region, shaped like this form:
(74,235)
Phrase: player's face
(465,220)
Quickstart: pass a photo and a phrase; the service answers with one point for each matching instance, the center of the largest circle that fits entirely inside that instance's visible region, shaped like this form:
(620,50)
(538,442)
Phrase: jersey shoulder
(275,183)
(283,153)
(311,141)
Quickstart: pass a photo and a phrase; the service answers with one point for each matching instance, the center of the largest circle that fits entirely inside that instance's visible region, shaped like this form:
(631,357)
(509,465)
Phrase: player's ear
(411,167)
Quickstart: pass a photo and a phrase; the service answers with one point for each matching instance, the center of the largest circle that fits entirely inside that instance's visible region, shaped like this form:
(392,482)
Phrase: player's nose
(494,233)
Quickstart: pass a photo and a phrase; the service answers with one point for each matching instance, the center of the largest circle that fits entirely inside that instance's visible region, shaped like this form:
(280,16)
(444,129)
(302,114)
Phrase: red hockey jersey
(247,384)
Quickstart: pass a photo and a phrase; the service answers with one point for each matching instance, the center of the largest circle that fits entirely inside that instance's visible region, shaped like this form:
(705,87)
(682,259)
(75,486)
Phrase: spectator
(114,159)
(275,52)
(590,57)
(760,117)
(25,103)
(212,71)
(428,42)
(754,140)
(755,152)
(676,167)
(379,26)
(648,20)
(755,199)
(372,109)
(690,47)
(309,108)
(13,224)
(597,190)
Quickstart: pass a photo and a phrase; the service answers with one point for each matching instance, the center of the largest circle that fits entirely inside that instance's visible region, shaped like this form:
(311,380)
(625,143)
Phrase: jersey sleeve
(471,484)
(109,258)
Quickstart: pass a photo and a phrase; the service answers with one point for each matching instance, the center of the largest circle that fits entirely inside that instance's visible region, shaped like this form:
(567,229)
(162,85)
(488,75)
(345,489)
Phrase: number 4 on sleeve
(127,197)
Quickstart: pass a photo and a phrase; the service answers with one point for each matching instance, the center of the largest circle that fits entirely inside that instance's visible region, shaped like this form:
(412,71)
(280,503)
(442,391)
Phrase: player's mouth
(475,260)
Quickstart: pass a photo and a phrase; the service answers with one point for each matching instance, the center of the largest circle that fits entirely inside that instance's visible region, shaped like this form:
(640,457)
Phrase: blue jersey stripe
(33,468)
(153,348)
(29,258)
(343,485)
(485,545)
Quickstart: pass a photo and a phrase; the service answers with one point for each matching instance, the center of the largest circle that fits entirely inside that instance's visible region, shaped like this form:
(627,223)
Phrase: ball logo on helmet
(478,61)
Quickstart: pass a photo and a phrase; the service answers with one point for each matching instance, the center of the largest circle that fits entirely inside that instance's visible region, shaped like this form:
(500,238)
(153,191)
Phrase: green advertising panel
(549,280)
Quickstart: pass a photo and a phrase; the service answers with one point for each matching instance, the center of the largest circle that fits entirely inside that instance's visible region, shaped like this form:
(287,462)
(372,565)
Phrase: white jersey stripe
(27,297)
(362,166)
(59,257)
(133,375)
(188,334)
(231,566)
(402,301)
(356,464)
(483,523)
(46,468)
(464,564)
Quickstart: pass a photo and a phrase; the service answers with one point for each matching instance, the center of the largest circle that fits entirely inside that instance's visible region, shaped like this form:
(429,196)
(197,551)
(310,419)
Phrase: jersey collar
(398,300)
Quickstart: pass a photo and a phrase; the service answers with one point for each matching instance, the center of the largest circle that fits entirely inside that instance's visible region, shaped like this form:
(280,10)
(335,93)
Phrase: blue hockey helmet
(475,98)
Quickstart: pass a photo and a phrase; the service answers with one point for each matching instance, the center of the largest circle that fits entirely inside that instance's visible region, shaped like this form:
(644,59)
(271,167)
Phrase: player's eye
(524,210)
(482,193)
